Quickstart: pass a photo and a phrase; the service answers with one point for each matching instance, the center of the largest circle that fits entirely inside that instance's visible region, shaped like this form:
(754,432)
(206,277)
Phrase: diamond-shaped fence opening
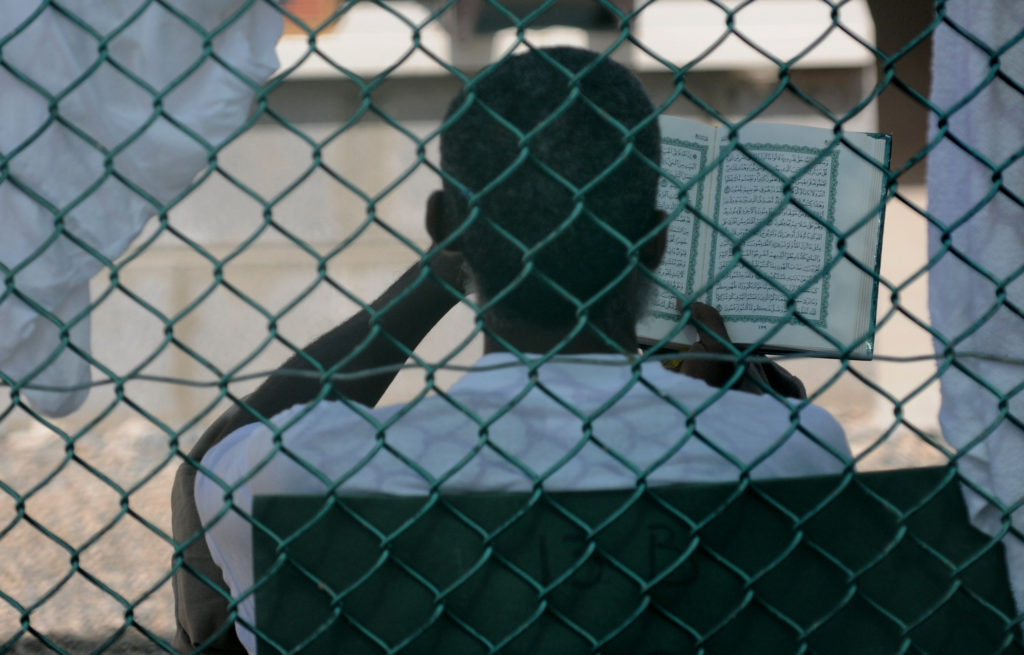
(192,193)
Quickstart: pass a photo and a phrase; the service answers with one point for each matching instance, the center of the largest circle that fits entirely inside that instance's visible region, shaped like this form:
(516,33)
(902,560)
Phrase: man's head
(552,162)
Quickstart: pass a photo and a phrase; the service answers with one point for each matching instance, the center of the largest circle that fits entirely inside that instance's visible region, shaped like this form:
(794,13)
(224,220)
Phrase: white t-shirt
(588,422)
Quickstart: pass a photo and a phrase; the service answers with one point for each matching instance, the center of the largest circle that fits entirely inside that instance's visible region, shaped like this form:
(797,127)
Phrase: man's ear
(652,251)
(438,226)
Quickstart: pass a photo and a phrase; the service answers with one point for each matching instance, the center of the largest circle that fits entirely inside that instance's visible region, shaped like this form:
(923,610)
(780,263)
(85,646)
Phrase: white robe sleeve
(107,114)
(976,288)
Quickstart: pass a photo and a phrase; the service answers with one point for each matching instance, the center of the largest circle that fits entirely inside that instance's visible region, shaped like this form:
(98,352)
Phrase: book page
(794,245)
(784,244)
(687,147)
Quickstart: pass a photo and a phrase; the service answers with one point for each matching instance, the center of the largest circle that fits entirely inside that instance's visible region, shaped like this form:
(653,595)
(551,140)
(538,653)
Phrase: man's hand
(712,338)
(449,267)
(709,324)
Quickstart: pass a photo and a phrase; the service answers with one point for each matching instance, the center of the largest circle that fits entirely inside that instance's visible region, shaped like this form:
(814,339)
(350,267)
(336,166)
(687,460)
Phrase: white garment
(640,427)
(58,160)
(991,124)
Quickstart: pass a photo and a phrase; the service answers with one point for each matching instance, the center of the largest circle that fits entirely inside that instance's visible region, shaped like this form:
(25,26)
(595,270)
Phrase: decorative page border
(691,267)
(830,217)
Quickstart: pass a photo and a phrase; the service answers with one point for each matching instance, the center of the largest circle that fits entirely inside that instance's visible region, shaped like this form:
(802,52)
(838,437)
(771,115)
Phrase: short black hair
(586,123)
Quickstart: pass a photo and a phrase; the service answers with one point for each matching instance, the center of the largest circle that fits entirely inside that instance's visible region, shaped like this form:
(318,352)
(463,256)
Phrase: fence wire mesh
(185,211)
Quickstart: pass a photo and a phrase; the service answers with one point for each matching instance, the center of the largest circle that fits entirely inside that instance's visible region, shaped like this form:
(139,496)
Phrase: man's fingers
(707,320)
(696,348)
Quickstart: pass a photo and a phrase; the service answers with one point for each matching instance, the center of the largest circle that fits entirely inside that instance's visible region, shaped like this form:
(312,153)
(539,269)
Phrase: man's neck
(529,338)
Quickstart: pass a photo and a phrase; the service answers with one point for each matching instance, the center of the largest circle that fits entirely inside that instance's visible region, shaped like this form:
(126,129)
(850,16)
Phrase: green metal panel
(869,563)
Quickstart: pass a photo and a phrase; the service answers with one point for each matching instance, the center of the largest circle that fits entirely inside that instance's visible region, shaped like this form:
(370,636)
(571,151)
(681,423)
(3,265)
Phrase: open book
(822,247)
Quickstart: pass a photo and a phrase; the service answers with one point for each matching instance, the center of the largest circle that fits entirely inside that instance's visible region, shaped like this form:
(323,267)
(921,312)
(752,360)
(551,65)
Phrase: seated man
(550,170)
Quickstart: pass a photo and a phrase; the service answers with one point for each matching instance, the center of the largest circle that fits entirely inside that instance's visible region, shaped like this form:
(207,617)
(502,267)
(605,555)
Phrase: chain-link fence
(189,198)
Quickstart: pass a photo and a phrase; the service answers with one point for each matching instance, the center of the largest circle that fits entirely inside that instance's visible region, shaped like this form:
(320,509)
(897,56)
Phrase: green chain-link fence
(227,216)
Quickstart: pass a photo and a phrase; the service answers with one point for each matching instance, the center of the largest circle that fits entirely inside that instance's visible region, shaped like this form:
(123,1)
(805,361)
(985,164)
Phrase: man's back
(586,422)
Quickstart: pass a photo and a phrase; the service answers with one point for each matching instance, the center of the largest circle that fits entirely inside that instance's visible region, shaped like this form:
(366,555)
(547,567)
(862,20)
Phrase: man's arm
(402,316)
(380,336)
